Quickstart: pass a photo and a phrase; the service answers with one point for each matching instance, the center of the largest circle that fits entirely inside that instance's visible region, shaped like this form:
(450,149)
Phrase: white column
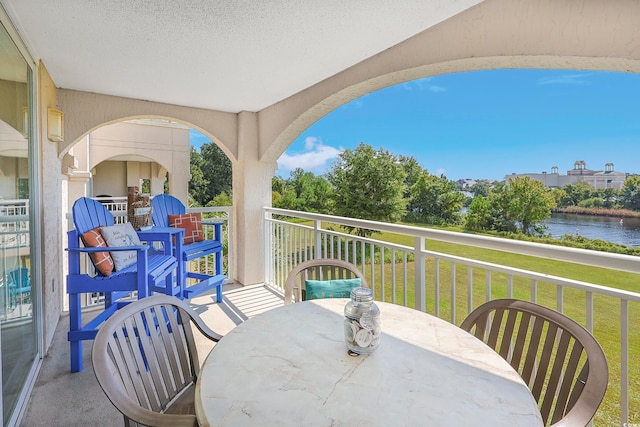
(157,178)
(251,192)
(179,173)
(133,174)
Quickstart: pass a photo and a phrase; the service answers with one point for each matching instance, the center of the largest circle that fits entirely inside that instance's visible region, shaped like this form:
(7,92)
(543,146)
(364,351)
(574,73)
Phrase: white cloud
(315,158)
(424,84)
(355,104)
(572,79)
(309,142)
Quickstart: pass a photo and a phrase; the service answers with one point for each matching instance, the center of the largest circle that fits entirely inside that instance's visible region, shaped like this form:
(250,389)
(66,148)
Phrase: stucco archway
(86,112)
(113,157)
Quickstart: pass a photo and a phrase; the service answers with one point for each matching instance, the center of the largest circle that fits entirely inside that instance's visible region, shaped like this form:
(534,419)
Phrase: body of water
(625,231)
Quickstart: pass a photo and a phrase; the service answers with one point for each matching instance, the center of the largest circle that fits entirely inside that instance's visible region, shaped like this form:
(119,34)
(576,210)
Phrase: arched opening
(485,123)
(154,154)
(484,126)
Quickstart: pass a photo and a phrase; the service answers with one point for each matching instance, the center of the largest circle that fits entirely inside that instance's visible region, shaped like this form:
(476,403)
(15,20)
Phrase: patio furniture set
(130,264)
(510,362)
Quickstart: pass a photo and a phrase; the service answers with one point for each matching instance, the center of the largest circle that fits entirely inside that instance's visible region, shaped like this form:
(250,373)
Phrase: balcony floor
(62,398)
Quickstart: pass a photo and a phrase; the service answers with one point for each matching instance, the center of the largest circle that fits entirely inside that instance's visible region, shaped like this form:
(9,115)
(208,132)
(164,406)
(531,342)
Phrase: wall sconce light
(55,125)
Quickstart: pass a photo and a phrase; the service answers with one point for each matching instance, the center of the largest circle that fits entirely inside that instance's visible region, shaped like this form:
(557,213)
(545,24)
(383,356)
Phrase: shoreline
(616,213)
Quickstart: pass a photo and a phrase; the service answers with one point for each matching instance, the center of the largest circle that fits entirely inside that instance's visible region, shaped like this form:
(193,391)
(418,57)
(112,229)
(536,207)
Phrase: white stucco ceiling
(228,55)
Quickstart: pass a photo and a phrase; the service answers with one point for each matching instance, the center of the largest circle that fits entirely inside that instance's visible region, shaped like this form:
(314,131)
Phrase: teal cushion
(316,289)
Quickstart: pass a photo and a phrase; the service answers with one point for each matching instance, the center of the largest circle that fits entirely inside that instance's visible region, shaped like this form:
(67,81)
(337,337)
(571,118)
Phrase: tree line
(377,185)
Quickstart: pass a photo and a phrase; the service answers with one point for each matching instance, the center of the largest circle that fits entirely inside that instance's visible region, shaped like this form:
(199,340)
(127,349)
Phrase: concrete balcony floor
(62,398)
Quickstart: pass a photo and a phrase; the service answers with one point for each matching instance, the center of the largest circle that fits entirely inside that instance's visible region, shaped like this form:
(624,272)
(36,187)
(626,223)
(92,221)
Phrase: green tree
(435,200)
(478,216)
(222,199)
(479,189)
(283,195)
(368,184)
(278,184)
(211,173)
(594,202)
(313,193)
(529,202)
(217,169)
(558,196)
(610,197)
(413,170)
(499,199)
(197,184)
(630,194)
(285,200)
(576,192)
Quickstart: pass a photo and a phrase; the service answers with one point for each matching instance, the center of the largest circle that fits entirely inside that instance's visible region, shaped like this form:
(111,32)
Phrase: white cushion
(118,236)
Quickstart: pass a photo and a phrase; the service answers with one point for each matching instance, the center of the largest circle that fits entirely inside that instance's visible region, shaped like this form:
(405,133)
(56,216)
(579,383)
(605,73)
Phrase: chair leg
(75,324)
(75,348)
(219,293)
(218,258)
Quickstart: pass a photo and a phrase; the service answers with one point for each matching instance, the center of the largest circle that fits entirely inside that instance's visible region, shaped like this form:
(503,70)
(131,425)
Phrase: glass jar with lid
(362,325)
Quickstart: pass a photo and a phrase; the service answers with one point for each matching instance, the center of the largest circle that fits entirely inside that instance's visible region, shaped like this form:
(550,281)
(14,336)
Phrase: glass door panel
(18,331)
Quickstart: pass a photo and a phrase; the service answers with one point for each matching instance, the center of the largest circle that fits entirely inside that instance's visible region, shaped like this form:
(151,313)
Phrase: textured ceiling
(228,55)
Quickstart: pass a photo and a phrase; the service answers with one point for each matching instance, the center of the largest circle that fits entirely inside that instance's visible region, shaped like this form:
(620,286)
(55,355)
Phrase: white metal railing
(15,287)
(118,207)
(210,216)
(114,204)
(402,274)
(14,207)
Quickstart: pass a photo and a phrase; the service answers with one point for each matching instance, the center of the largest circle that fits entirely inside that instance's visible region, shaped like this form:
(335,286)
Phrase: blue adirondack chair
(19,286)
(164,205)
(152,271)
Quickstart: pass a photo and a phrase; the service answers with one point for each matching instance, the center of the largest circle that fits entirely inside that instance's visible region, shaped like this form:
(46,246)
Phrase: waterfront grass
(616,213)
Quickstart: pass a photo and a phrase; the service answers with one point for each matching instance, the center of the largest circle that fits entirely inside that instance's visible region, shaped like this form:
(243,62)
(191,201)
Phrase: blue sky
(486,124)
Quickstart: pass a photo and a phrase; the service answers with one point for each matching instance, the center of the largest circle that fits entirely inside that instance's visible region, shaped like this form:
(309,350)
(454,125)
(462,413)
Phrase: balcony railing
(15,293)
(404,269)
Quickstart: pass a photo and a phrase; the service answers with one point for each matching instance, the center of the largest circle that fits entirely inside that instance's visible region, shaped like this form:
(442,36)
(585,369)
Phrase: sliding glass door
(18,345)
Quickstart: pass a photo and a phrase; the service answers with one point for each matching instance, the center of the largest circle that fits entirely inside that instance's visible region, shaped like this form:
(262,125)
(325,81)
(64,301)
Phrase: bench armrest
(109,249)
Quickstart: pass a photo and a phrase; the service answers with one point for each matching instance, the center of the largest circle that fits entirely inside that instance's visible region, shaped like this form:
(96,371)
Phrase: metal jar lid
(362,295)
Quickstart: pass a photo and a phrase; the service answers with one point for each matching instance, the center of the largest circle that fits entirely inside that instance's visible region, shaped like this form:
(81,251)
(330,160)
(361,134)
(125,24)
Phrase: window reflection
(16,309)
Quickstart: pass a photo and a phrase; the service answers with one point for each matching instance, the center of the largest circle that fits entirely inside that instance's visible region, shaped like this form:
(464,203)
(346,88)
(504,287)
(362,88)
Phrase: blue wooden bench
(164,205)
(151,271)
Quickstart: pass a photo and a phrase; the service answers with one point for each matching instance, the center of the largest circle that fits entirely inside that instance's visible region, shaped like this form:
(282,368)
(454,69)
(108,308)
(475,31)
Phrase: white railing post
(436,287)
(269,258)
(317,230)
(624,362)
(454,282)
(420,279)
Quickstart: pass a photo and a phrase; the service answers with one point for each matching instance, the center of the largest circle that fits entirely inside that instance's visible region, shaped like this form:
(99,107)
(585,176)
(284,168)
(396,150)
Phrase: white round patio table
(290,367)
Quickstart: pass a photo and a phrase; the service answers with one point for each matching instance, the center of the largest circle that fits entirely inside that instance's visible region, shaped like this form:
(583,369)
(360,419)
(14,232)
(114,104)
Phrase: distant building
(465,184)
(607,178)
